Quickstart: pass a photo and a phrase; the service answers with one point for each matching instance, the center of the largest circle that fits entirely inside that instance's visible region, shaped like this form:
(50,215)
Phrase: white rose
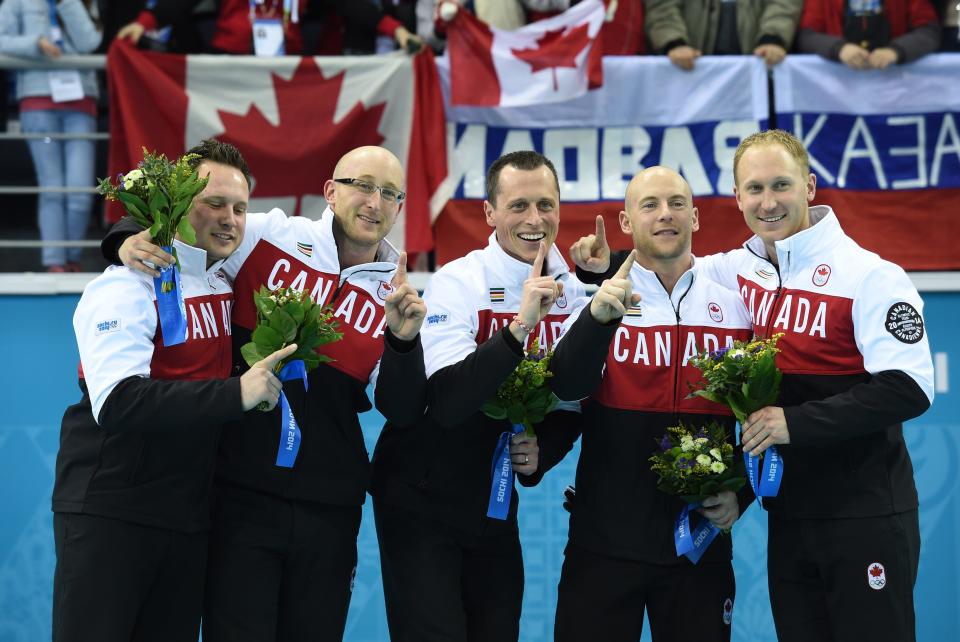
(701,441)
(703,460)
(131,177)
(716,454)
(718,467)
(687,446)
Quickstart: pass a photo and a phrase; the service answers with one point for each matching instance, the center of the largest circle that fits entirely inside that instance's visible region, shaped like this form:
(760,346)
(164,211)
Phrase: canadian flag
(292,119)
(548,61)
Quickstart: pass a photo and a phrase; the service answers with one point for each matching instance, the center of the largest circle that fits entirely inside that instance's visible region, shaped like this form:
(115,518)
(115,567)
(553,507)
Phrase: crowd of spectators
(862,34)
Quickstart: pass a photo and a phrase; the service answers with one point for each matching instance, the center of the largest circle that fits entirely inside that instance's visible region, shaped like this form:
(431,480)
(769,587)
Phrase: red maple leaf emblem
(823,271)
(296,156)
(714,308)
(554,49)
(876,571)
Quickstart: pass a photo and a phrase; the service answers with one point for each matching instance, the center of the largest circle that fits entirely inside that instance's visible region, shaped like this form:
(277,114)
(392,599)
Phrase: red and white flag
(292,118)
(548,61)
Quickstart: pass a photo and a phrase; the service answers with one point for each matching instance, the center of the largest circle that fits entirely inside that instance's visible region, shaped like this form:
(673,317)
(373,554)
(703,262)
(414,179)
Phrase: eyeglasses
(366,187)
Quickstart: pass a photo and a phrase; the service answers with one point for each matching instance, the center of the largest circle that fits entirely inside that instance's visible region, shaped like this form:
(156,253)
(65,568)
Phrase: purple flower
(716,355)
(683,462)
(665,444)
(701,434)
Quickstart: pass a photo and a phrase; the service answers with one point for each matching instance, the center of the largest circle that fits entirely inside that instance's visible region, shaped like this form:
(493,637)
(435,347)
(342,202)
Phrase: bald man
(283,553)
(631,354)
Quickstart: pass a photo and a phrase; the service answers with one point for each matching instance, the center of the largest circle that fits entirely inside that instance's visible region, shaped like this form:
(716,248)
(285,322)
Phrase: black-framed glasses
(388,193)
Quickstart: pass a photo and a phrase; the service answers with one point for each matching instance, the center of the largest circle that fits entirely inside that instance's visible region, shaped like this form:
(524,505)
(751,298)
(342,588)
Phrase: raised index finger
(601,231)
(627,265)
(400,276)
(538,262)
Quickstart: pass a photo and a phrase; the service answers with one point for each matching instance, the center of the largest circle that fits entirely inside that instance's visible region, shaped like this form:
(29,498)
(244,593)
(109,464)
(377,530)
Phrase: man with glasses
(283,552)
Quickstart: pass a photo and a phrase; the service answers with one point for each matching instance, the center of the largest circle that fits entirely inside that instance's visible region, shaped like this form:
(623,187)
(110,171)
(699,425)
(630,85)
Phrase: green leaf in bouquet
(709,487)
(186,231)
(250,353)
(691,499)
(133,204)
(535,416)
(733,484)
(515,413)
(493,410)
(155,229)
(296,311)
(267,339)
(265,305)
(284,324)
(158,201)
(179,208)
(706,394)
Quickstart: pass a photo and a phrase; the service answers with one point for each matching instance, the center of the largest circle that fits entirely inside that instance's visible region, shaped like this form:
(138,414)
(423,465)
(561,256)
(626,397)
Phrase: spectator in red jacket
(869,34)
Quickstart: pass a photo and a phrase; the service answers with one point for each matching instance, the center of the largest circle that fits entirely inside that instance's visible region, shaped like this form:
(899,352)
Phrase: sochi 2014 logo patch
(904,322)
(715,312)
(821,275)
(876,576)
(727,611)
(384,290)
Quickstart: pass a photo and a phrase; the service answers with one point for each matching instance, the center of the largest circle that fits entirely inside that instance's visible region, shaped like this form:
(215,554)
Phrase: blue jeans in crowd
(61,163)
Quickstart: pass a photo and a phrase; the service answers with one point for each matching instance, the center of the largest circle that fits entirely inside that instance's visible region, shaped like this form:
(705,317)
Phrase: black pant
(834,580)
(119,581)
(279,569)
(603,598)
(440,583)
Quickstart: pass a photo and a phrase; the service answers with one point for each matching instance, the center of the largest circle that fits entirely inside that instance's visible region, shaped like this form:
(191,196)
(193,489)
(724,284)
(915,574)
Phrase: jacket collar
(647,282)
(824,232)
(193,260)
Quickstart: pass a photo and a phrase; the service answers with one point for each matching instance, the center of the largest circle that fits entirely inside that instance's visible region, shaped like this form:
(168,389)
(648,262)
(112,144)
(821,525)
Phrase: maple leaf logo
(555,49)
(295,157)
(714,308)
(876,571)
(823,271)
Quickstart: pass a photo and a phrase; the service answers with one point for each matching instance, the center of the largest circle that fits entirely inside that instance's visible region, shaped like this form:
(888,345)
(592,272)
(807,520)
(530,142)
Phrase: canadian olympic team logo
(715,312)
(384,290)
(821,275)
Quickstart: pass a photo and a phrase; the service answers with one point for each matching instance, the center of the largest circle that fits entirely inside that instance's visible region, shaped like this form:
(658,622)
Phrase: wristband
(525,328)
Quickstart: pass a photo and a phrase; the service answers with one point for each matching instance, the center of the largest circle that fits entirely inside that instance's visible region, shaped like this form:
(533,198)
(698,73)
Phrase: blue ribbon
(501,486)
(765,472)
(692,544)
(289,428)
(170,307)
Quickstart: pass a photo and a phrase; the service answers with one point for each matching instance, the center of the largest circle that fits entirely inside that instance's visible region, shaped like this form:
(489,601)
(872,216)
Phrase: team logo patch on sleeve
(821,275)
(876,576)
(715,312)
(562,300)
(384,290)
(904,322)
(104,327)
(727,611)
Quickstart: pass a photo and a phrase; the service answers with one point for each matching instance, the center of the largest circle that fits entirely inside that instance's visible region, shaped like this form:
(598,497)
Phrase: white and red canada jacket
(638,376)
(470,302)
(332,465)
(141,444)
(856,362)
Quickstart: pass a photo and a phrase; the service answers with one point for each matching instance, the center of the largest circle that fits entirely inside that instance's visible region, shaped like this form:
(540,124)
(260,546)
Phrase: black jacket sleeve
(889,398)
(116,235)
(577,362)
(556,436)
(168,12)
(139,404)
(401,392)
(460,389)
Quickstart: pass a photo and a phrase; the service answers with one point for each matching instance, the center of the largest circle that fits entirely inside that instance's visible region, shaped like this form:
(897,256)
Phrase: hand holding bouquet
(745,378)
(524,398)
(158,195)
(694,465)
(286,316)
